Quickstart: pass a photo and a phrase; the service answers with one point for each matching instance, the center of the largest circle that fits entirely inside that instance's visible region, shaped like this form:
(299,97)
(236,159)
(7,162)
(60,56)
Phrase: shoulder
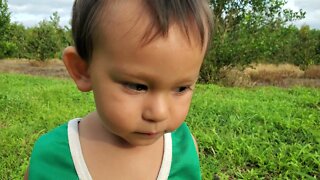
(183,140)
(58,134)
(56,137)
(182,133)
(185,134)
(51,154)
(183,137)
(185,160)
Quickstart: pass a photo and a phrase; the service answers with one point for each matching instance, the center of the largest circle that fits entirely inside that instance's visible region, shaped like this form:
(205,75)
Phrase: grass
(256,133)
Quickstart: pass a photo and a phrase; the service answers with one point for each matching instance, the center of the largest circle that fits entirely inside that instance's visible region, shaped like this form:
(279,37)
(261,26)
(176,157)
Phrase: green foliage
(18,38)
(44,41)
(47,39)
(259,133)
(229,14)
(305,49)
(5,47)
(246,32)
(4,19)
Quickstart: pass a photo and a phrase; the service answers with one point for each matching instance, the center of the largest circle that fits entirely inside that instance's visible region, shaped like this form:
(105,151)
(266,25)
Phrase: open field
(254,133)
(52,68)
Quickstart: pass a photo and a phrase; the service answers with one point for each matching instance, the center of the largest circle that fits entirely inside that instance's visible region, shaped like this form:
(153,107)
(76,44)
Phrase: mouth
(149,134)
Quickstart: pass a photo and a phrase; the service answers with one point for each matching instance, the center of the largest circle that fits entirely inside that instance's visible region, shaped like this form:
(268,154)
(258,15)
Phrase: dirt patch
(53,68)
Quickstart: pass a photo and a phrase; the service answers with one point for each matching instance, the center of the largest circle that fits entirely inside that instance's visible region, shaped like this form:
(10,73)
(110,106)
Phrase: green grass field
(258,133)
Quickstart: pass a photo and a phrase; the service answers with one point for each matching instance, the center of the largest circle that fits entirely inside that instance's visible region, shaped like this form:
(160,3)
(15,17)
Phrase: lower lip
(149,134)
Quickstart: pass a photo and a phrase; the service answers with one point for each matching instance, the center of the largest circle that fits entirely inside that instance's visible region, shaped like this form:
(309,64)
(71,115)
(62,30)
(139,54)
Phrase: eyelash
(140,87)
(136,87)
(183,89)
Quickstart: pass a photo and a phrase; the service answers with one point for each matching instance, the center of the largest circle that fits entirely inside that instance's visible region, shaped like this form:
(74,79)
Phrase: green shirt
(53,156)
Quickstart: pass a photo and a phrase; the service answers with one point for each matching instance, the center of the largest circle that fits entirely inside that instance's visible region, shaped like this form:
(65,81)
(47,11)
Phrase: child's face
(143,92)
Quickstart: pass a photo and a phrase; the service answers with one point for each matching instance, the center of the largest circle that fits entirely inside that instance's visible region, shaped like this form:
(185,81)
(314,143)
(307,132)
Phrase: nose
(156,108)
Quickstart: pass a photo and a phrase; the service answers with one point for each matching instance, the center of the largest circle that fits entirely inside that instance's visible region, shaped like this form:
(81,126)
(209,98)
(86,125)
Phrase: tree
(17,36)
(229,14)
(44,41)
(305,48)
(4,19)
(5,46)
(64,34)
(47,40)
(243,32)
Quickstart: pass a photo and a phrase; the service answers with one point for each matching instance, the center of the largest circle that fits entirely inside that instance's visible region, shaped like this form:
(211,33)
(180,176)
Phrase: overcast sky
(30,12)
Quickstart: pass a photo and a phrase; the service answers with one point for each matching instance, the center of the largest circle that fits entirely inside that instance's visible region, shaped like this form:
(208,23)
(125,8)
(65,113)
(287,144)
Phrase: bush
(43,42)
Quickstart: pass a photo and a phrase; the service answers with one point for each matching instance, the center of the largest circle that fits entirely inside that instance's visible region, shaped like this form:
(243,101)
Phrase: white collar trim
(80,164)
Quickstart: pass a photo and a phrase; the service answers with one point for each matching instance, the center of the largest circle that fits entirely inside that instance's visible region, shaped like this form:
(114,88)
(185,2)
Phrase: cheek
(180,112)
(114,108)
(117,117)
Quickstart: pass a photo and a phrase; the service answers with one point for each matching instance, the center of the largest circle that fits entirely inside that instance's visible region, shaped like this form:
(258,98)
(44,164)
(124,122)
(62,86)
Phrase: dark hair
(163,13)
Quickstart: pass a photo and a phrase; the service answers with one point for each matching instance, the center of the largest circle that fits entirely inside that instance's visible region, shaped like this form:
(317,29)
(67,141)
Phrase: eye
(136,87)
(183,89)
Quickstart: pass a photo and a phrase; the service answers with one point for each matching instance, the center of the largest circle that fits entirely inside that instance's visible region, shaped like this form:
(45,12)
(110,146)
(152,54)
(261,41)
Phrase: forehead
(130,22)
(163,61)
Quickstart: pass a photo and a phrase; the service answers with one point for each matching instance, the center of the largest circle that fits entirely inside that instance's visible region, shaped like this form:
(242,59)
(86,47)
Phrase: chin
(142,142)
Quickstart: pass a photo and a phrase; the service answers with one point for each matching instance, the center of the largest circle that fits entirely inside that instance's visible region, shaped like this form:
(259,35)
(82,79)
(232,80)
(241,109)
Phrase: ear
(78,69)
